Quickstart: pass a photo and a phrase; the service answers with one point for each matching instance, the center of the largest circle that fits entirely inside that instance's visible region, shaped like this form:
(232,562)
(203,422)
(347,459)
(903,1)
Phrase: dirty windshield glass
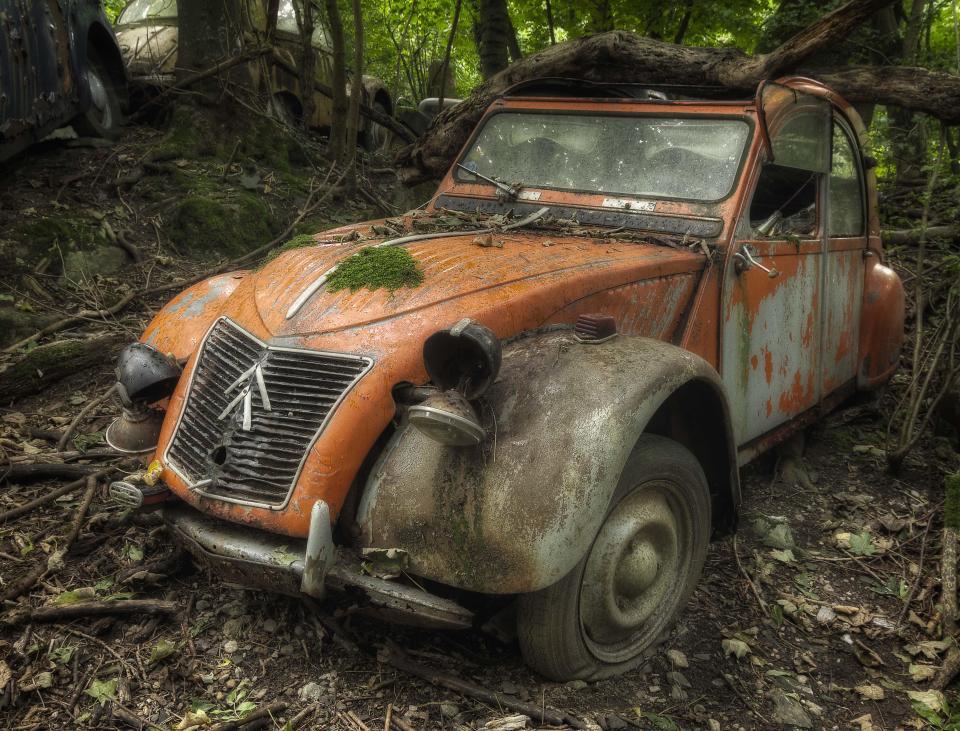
(143,9)
(695,158)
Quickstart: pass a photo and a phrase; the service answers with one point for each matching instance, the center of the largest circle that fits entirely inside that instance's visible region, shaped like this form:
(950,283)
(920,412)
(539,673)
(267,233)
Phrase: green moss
(951,509)
(297,242)
(389,267)
(204,226)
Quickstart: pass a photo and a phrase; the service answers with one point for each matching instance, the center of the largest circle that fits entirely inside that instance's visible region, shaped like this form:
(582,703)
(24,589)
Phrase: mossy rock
(206,227)
(195,132)
(42,243)
(106,259)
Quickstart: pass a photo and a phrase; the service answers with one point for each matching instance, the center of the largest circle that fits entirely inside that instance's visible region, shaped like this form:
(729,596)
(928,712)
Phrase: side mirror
(869,162)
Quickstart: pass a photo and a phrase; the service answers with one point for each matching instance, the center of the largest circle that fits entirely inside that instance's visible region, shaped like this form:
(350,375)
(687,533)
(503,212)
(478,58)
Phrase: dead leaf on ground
(871,692)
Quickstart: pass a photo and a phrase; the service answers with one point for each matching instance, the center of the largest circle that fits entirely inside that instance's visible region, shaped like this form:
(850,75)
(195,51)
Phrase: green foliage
(113,8)
(389,267)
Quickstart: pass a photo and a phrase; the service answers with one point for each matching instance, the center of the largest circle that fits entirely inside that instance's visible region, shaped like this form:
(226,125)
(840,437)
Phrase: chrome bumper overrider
(258,559)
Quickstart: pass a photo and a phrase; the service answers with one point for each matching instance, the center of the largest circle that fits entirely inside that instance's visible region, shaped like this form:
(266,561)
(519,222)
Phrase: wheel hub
(631,579)
(98,96)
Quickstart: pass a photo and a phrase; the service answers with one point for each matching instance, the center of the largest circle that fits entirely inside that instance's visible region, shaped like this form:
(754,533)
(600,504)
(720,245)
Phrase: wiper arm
(510,191)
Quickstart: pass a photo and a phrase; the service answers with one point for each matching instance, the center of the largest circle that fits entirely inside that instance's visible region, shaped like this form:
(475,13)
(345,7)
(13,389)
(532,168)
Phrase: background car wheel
(620,600)
(285,108)
(378,137)
(104,117)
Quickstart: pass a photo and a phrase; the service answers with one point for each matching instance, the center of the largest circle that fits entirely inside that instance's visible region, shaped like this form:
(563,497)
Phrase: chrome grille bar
(260,465)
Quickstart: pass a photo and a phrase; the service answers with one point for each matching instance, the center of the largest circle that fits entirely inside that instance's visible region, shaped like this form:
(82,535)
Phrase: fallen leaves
(871,692)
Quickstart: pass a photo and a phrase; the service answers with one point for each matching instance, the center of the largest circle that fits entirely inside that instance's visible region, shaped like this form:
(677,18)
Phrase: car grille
(213,452)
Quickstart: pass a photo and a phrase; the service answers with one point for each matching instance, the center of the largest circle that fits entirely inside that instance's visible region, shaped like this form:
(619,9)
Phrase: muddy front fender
(518,512)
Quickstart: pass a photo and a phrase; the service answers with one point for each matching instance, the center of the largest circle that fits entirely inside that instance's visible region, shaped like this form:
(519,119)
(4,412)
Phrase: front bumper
(262,560)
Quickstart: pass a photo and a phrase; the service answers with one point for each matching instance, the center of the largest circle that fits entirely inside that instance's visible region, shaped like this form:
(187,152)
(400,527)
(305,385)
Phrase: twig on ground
(81,415)
(132,719)
(265,712)
(916,581)
(55,560)
(44,470)
(399,660)
(54,494)
(386,720)
(753,586)
(61,613)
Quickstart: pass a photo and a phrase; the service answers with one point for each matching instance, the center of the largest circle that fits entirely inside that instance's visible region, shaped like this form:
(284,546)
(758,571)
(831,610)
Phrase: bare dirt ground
(820,613)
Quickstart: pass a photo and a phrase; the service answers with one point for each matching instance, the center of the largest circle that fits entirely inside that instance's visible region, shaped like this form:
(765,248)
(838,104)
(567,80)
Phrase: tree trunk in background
(445,68)
(684,22)
(493,36)
(356,96)
(908,139)
(601,16)
(513,43)
(338,122)
(553,34)
(208,31)
(308,59)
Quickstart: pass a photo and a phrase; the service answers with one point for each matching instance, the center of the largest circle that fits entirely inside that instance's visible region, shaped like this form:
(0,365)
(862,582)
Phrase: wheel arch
(517,513)
(696,416)
(102,41)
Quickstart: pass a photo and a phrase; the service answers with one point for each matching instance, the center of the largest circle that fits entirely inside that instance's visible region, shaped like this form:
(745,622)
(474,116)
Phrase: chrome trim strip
(197,487)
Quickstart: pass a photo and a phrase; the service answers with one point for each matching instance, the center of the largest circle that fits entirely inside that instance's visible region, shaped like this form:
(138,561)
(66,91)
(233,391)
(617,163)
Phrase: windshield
(143,9)
(661,157)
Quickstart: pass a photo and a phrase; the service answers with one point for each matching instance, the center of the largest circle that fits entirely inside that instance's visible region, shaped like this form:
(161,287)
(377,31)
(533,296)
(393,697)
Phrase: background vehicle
(147,31)
(558,411)
(59,64)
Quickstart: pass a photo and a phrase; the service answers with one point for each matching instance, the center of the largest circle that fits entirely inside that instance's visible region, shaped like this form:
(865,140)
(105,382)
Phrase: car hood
(464,275)
(149,48)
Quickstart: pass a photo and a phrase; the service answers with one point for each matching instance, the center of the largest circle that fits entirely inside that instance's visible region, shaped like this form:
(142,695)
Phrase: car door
(771,329)
(846,243)
(35,77)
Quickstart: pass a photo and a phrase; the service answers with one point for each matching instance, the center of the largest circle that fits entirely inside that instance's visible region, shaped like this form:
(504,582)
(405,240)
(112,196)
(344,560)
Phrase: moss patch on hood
(388,268)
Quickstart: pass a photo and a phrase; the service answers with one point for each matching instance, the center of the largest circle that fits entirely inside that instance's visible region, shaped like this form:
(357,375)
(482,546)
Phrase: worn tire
(104,117)
(561,628)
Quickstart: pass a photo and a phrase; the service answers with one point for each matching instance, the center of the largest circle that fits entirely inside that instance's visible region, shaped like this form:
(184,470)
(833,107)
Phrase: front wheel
(621,599)
(104,117)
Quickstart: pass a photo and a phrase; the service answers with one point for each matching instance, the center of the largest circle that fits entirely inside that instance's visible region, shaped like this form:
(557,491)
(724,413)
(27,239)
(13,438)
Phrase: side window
(845,212)
(785,201)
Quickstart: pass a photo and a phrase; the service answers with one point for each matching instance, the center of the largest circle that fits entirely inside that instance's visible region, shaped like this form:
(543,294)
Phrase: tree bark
(620,56)
(493,34)
(47,364)
(356,97)
(308,59)
(338,123)
(208,31)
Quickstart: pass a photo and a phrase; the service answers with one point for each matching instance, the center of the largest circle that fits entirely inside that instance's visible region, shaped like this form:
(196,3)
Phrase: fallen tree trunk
(912,236)
(624,57)
(50,363)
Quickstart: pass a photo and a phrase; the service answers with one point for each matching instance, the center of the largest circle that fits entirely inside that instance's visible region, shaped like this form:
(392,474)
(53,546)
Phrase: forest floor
(820,613)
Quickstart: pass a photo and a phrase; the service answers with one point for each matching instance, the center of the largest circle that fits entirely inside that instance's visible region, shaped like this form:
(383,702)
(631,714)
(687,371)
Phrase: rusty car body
(148,34)
(652,291)
(59,63)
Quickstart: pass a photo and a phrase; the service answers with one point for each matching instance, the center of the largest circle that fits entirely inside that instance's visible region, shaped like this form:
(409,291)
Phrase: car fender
(179,327)
(518,512)
(881,324)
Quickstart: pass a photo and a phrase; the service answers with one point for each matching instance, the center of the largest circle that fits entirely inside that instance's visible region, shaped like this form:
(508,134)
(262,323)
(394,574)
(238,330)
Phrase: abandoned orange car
(540,388)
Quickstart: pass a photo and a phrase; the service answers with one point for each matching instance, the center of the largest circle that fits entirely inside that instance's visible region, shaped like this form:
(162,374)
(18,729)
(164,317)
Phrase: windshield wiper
(510,191)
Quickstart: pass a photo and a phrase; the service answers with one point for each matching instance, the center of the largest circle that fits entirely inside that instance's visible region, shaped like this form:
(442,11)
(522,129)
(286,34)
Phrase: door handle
(745,259)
